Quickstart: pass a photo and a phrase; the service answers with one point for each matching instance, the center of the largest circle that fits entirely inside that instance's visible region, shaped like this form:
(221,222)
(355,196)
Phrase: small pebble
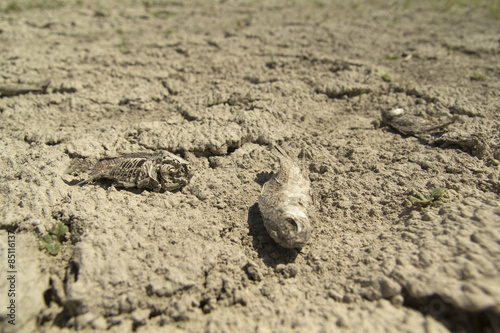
(342,322)
(253,271)
(428,216)
(335,295)
(397,300)
(348,298)
(389,288)
(40,229)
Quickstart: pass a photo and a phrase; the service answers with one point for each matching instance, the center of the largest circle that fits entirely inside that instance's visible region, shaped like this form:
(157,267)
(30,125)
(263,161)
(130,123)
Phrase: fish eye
(291,222)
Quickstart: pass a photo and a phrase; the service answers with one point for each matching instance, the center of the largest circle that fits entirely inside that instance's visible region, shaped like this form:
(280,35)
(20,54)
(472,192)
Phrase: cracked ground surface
(216,82)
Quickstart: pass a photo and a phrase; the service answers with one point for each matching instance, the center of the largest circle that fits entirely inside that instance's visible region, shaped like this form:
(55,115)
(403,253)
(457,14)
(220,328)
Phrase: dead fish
(286,203)
(20,89)
(156,172)
(409,124)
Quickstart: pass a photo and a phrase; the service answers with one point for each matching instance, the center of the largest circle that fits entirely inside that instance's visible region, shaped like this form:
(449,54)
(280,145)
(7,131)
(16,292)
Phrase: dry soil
(216,82)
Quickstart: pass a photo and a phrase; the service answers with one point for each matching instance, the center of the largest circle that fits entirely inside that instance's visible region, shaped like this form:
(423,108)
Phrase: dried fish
(409,124)
(286,204)
(19,89)
(164,171)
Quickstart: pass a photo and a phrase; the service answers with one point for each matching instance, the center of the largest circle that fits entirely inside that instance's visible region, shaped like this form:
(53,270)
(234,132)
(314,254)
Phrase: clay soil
(215,82)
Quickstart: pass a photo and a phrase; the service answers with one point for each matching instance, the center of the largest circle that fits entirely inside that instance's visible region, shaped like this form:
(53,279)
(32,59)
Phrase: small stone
(335,295)
(342,322)
(217,162)
(211,304)
(253,271)
(313,167)
(397,300)
(389,288)
(40,229)
(221,205)
(291,270)
(99,323)
(375,123)
(444,211)
(349,298)
(313,177)
(428,216)
(126,304)
(288,271)
(83,320)
(324,169)
(140,316)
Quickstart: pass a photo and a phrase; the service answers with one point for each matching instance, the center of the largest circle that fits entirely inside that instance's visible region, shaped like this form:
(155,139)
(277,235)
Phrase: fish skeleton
(286,204)
(164,171)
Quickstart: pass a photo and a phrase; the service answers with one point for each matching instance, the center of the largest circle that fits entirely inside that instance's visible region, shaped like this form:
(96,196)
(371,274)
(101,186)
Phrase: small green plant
(431,199)
(478,76)
(239,25)
(123,47)
(383,75)
(146,4)
(319,4)
(494,9)
(162,14)
(12,6)
(215,101)
(168,32)
(361,94)
(393,56)
(451,51)
(52,240)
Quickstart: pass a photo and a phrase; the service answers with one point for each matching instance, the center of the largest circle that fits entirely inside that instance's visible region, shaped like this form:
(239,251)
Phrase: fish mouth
(294,233)
(293,225)
(291,228)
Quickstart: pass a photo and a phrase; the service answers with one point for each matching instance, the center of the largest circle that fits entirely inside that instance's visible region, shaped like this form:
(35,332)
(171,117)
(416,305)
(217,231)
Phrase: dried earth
(215,82)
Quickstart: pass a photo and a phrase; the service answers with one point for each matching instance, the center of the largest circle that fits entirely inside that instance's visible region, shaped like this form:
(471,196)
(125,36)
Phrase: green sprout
(383,75)
(123,47)
(319,4)
(450,50)
(239,25)
(478,76)
(393,56)
(431,199)
(215,101)
(168,32)
(162,14)
(12,6)
(52,240)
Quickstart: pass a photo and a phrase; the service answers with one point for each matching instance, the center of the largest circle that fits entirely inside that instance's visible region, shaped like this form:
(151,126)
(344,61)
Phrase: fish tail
(278,151)
(79,165)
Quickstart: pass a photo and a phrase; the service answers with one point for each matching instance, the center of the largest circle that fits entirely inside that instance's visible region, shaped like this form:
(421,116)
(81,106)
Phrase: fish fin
(79,165)
(88,180)
(278,151)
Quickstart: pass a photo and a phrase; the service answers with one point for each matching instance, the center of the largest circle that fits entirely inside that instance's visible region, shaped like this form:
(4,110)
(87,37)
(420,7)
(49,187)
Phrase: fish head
(174,172)
(292,228)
